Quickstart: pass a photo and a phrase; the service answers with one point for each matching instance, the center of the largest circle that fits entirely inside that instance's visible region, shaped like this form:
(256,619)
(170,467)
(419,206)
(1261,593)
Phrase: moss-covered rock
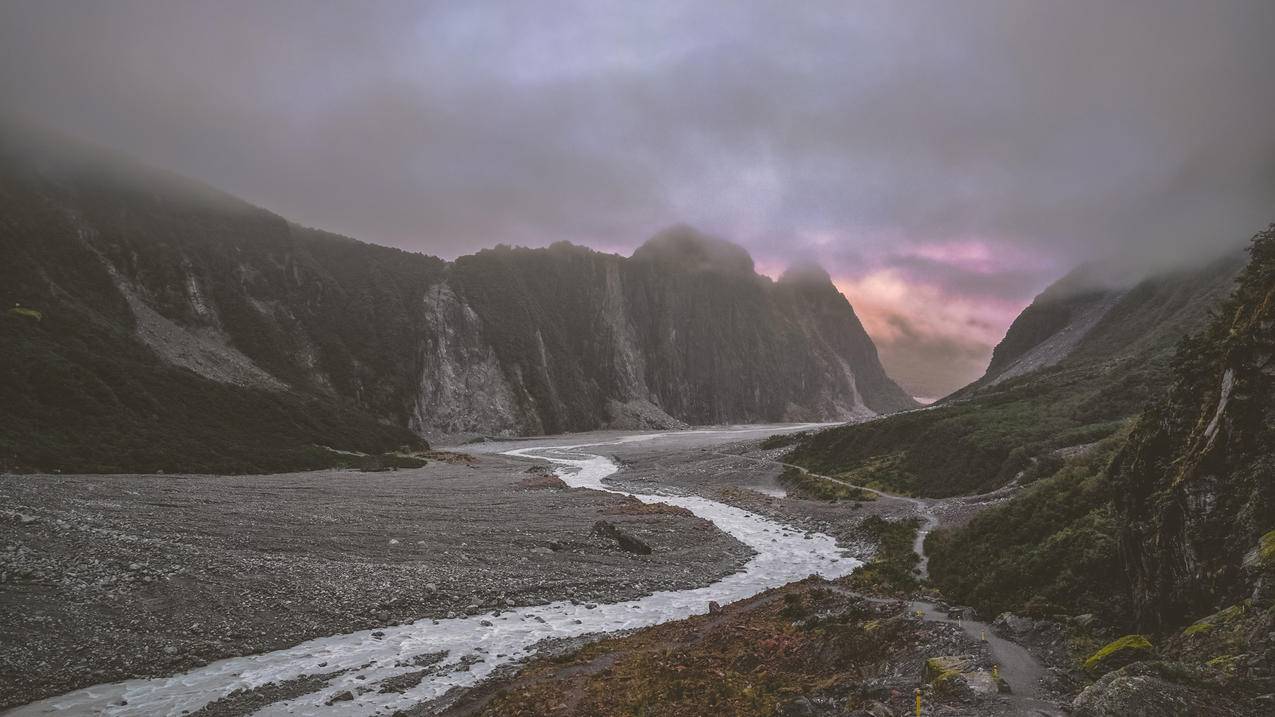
(1118,653)
(1150,689)
(938,668)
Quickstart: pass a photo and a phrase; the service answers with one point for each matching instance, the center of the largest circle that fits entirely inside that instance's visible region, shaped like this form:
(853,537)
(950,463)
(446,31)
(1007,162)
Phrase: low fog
(944,161)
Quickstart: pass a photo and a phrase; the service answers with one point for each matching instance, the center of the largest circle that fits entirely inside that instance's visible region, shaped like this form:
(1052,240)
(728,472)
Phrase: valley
(416,595)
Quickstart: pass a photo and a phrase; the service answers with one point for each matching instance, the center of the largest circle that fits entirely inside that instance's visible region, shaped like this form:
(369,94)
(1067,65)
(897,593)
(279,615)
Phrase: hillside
(1167,528)
(164,325)
(1076,363)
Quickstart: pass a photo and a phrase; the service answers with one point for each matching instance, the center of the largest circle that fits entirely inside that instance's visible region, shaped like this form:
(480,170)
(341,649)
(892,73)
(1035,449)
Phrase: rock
(1009,625)
(345,696)
(393,541)
(378,634)
(982,683)
(800,707)
(873,709)
(1084,620)
(624,540)
(1149,690)
(170,650)
(1118,653)
(713,607)
(485,623)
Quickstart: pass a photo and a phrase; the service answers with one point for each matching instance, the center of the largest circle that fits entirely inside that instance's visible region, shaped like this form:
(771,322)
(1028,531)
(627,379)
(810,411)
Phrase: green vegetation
(781,440)
(892,570)
(23,312)
(804,485)
(1266,549)
(1193,485)
(1051,548)
(988,434)
(1118,653)
(78,390)
(79,398)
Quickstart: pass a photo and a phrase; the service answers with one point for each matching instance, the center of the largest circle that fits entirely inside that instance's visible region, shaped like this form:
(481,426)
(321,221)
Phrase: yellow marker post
(996,672)
(918,702)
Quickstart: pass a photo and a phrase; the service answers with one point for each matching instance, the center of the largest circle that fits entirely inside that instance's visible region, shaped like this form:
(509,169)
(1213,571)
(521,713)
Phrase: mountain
(1166,528)
(1082,358)
(155,323)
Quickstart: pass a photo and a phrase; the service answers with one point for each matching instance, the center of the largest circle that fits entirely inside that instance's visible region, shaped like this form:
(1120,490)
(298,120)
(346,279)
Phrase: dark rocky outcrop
(1195,485)
(1159,690)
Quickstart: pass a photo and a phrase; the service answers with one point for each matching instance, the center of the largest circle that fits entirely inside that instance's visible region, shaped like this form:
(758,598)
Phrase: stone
(936,667)
(1144,690)
(624,540)
(345,696)
(800,707)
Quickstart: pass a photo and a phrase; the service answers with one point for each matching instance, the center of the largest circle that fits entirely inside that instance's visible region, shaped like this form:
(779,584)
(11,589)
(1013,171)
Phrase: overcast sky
(943,160)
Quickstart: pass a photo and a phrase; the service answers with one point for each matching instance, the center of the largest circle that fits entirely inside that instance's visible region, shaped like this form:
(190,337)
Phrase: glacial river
(477,645)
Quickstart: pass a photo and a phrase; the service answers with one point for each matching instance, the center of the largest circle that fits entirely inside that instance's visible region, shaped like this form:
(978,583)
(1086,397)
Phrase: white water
(783,555)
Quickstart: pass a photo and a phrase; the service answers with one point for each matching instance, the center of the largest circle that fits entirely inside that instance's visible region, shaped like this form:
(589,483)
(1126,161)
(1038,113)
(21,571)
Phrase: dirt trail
(1019,668)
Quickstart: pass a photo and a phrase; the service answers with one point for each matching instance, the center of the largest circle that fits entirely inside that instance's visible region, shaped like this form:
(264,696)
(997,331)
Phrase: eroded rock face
(1195,486)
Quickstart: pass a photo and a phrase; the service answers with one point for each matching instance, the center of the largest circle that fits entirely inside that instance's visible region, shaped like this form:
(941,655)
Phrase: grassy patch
(804,485)
(1129,648)
(892,571)
(756,657)
(1052,548)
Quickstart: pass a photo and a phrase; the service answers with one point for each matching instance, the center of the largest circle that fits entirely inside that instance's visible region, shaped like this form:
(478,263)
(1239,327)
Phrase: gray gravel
(109,577)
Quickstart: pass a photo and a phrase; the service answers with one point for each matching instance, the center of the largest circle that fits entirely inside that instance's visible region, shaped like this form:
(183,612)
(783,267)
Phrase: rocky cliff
(166,308)
(1195,485)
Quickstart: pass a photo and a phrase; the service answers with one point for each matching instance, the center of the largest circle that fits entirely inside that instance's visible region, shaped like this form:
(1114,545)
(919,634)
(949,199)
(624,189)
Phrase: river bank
(111,577)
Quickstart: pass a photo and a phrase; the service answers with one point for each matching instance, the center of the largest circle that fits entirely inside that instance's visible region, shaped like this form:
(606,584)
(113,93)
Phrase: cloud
(972,150)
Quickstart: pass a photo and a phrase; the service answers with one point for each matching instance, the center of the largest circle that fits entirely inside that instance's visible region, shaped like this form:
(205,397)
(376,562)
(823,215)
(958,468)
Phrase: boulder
(624,540)
(937,667)
(1152,690)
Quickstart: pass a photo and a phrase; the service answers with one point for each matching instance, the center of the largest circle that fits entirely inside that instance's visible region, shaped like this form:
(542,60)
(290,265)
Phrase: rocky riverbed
(109,577)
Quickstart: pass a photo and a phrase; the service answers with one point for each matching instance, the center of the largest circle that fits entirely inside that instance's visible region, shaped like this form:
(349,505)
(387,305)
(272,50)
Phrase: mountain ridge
(236,304)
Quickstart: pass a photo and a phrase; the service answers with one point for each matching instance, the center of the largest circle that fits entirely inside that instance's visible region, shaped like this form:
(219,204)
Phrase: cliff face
(684,331)
(224,303)
(1195,485)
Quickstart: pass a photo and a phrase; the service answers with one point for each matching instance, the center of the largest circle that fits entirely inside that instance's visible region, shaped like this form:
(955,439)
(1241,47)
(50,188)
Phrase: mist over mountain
(238,306)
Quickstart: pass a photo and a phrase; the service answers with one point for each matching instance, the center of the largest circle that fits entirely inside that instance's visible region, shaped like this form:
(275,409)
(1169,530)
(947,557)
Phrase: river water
(477,645)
